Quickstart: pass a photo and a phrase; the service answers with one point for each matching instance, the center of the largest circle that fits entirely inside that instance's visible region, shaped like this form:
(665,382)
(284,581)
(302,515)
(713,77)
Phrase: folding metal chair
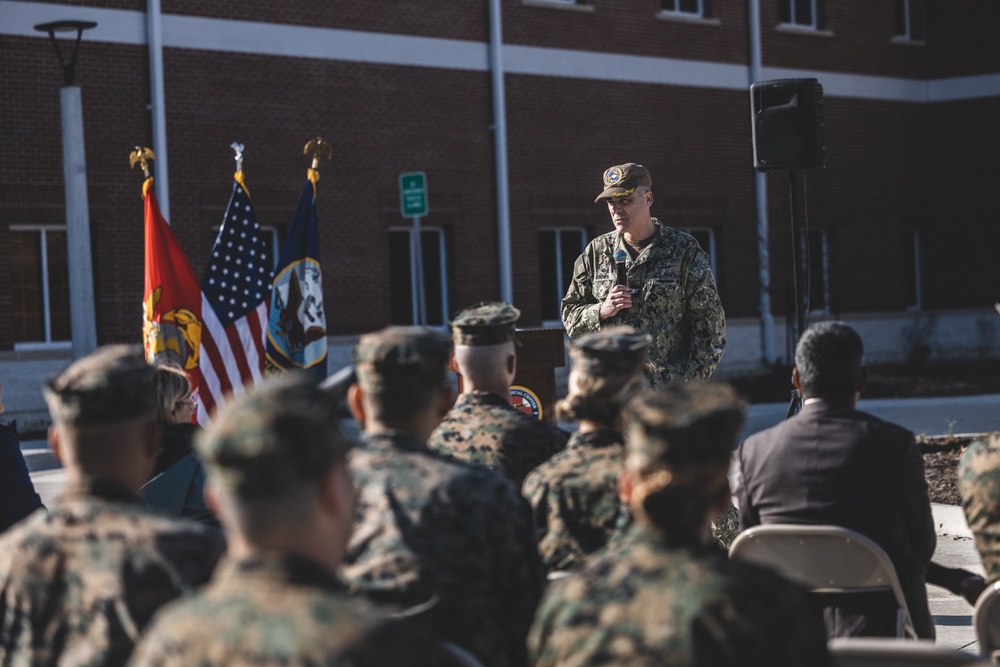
(888,652)
(986,619)
(825,559)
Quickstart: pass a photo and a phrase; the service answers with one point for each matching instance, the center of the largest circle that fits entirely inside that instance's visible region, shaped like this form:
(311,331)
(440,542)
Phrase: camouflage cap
(487,323)
(272,439)
(686,425)
(611,351)
(401,357)
(111,385)
(622,180)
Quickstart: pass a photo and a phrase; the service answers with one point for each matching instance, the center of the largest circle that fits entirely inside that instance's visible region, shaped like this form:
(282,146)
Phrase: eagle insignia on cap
(612,176)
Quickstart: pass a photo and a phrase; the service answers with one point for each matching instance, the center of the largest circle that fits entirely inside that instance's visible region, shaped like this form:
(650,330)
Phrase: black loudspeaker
(787,117)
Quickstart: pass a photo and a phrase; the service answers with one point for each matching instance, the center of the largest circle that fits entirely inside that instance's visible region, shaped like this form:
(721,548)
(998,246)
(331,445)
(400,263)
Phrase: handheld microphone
(620,265)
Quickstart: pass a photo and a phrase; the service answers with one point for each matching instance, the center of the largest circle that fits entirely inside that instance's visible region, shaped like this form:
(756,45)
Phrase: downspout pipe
(500,148)
(154,39)
(760,195)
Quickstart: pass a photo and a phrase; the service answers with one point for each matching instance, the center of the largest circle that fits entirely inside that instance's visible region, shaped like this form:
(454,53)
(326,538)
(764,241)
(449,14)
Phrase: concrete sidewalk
(955,548)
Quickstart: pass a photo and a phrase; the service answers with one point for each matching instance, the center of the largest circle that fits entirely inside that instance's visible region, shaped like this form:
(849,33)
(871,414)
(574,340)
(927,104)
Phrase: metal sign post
(413,204)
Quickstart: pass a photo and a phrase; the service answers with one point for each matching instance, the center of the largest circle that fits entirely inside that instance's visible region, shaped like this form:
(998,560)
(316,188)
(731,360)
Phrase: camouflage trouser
(726,527)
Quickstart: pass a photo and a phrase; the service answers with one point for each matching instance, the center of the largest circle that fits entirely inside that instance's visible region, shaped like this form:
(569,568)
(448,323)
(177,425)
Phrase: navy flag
(296,335)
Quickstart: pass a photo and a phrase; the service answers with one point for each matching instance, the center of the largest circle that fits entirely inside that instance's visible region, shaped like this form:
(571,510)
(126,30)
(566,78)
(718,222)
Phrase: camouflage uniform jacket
(574,496)
(484,428)
(267,610)
(979,485)
(430,528)
(640,602)
(79,584)
(674,300)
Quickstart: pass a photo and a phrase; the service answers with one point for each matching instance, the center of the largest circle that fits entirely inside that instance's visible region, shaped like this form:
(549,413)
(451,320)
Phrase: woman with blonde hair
(178,480)
(574,495)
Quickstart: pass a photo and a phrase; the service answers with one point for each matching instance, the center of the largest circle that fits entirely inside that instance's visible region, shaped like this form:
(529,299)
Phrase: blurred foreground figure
(665,594)
(483,427)
(79,584)
(574,495)
(279,481)
(979,486)
(433,532)
(18,498)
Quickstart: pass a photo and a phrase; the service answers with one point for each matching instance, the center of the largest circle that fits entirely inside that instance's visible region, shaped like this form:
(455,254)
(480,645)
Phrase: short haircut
(830,358)
(482,363)
(172,387)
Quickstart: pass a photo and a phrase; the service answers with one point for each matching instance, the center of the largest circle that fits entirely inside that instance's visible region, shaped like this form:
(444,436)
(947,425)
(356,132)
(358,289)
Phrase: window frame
(48,343)
(814,25)
(560,287)
(913,236)
(907,8)
(442,245)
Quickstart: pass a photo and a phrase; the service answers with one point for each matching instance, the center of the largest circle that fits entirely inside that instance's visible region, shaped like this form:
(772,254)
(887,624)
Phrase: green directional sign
(413,194)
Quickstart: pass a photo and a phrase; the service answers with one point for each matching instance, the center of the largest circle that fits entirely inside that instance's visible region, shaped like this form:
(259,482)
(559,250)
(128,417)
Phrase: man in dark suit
(833,464)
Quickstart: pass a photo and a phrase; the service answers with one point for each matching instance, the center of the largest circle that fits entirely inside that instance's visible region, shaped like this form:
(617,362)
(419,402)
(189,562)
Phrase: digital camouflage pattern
(674,300)
(429,529)
(273,611)
(78,585)
(484,428)
(574,498)
(487,323)
(979,486)
(640,603)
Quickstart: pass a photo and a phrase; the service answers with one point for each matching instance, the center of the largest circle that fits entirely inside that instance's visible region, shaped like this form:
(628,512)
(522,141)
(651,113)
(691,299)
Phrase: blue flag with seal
(296,333)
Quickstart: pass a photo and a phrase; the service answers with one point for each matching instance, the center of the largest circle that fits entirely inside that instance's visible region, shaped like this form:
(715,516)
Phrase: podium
(539,354)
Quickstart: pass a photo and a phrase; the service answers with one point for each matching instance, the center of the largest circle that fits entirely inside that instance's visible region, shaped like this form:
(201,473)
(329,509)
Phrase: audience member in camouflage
(671,292)
(483,427)
(979,487)
(574,495)
(430,530)
(278,478)
(78,585)
(664,595)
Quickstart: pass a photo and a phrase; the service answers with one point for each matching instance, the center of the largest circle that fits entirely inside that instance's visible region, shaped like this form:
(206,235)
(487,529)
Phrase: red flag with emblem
(171,306)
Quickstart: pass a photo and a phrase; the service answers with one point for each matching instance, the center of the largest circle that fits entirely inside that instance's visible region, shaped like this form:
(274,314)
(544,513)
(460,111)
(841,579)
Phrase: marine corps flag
(171,306)
(296,336)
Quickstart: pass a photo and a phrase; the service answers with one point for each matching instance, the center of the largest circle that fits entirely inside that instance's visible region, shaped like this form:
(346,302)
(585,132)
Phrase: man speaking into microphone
(649,276)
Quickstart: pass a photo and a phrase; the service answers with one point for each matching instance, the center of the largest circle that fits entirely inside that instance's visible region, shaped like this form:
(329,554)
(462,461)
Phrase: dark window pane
(817,271)
(400,296)
(911,267)
(917,22)
(899,17)
(547,278)
(431,241)
(786,11)
(803,12)
(669,5)
(26,287)
(689,6)
(55,245)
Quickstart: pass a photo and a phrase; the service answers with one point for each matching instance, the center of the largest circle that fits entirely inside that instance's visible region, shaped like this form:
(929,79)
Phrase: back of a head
(112,385)
(830,360)
(172,386)
(401,368)
(483,335)
(607,371)
(679,442)
(281,436)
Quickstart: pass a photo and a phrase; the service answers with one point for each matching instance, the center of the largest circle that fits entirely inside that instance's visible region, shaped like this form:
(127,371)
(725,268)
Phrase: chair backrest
(986,618)
(824,559)
(888,652)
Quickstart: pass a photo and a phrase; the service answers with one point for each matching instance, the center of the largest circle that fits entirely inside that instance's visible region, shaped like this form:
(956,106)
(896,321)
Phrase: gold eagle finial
(319,148)
(142,155)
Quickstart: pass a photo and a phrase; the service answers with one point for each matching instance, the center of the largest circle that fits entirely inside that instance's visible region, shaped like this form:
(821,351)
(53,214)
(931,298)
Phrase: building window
(801,13)
(908,19)
(558,248)
(686,8)
(912,268)
(39,285)
(706,239)
(404,296)
(817,261)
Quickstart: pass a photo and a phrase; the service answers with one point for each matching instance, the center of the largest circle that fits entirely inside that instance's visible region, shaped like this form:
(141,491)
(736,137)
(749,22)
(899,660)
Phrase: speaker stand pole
(798,279)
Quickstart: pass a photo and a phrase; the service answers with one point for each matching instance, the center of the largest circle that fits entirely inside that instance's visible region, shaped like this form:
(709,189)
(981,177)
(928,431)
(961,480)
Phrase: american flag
(236,294)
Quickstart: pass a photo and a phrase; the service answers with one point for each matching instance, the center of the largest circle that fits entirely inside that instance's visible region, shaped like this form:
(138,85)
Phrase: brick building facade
(899,214)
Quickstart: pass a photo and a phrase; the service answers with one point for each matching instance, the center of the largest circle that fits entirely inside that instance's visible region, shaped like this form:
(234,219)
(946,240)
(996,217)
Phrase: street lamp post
(81,281)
